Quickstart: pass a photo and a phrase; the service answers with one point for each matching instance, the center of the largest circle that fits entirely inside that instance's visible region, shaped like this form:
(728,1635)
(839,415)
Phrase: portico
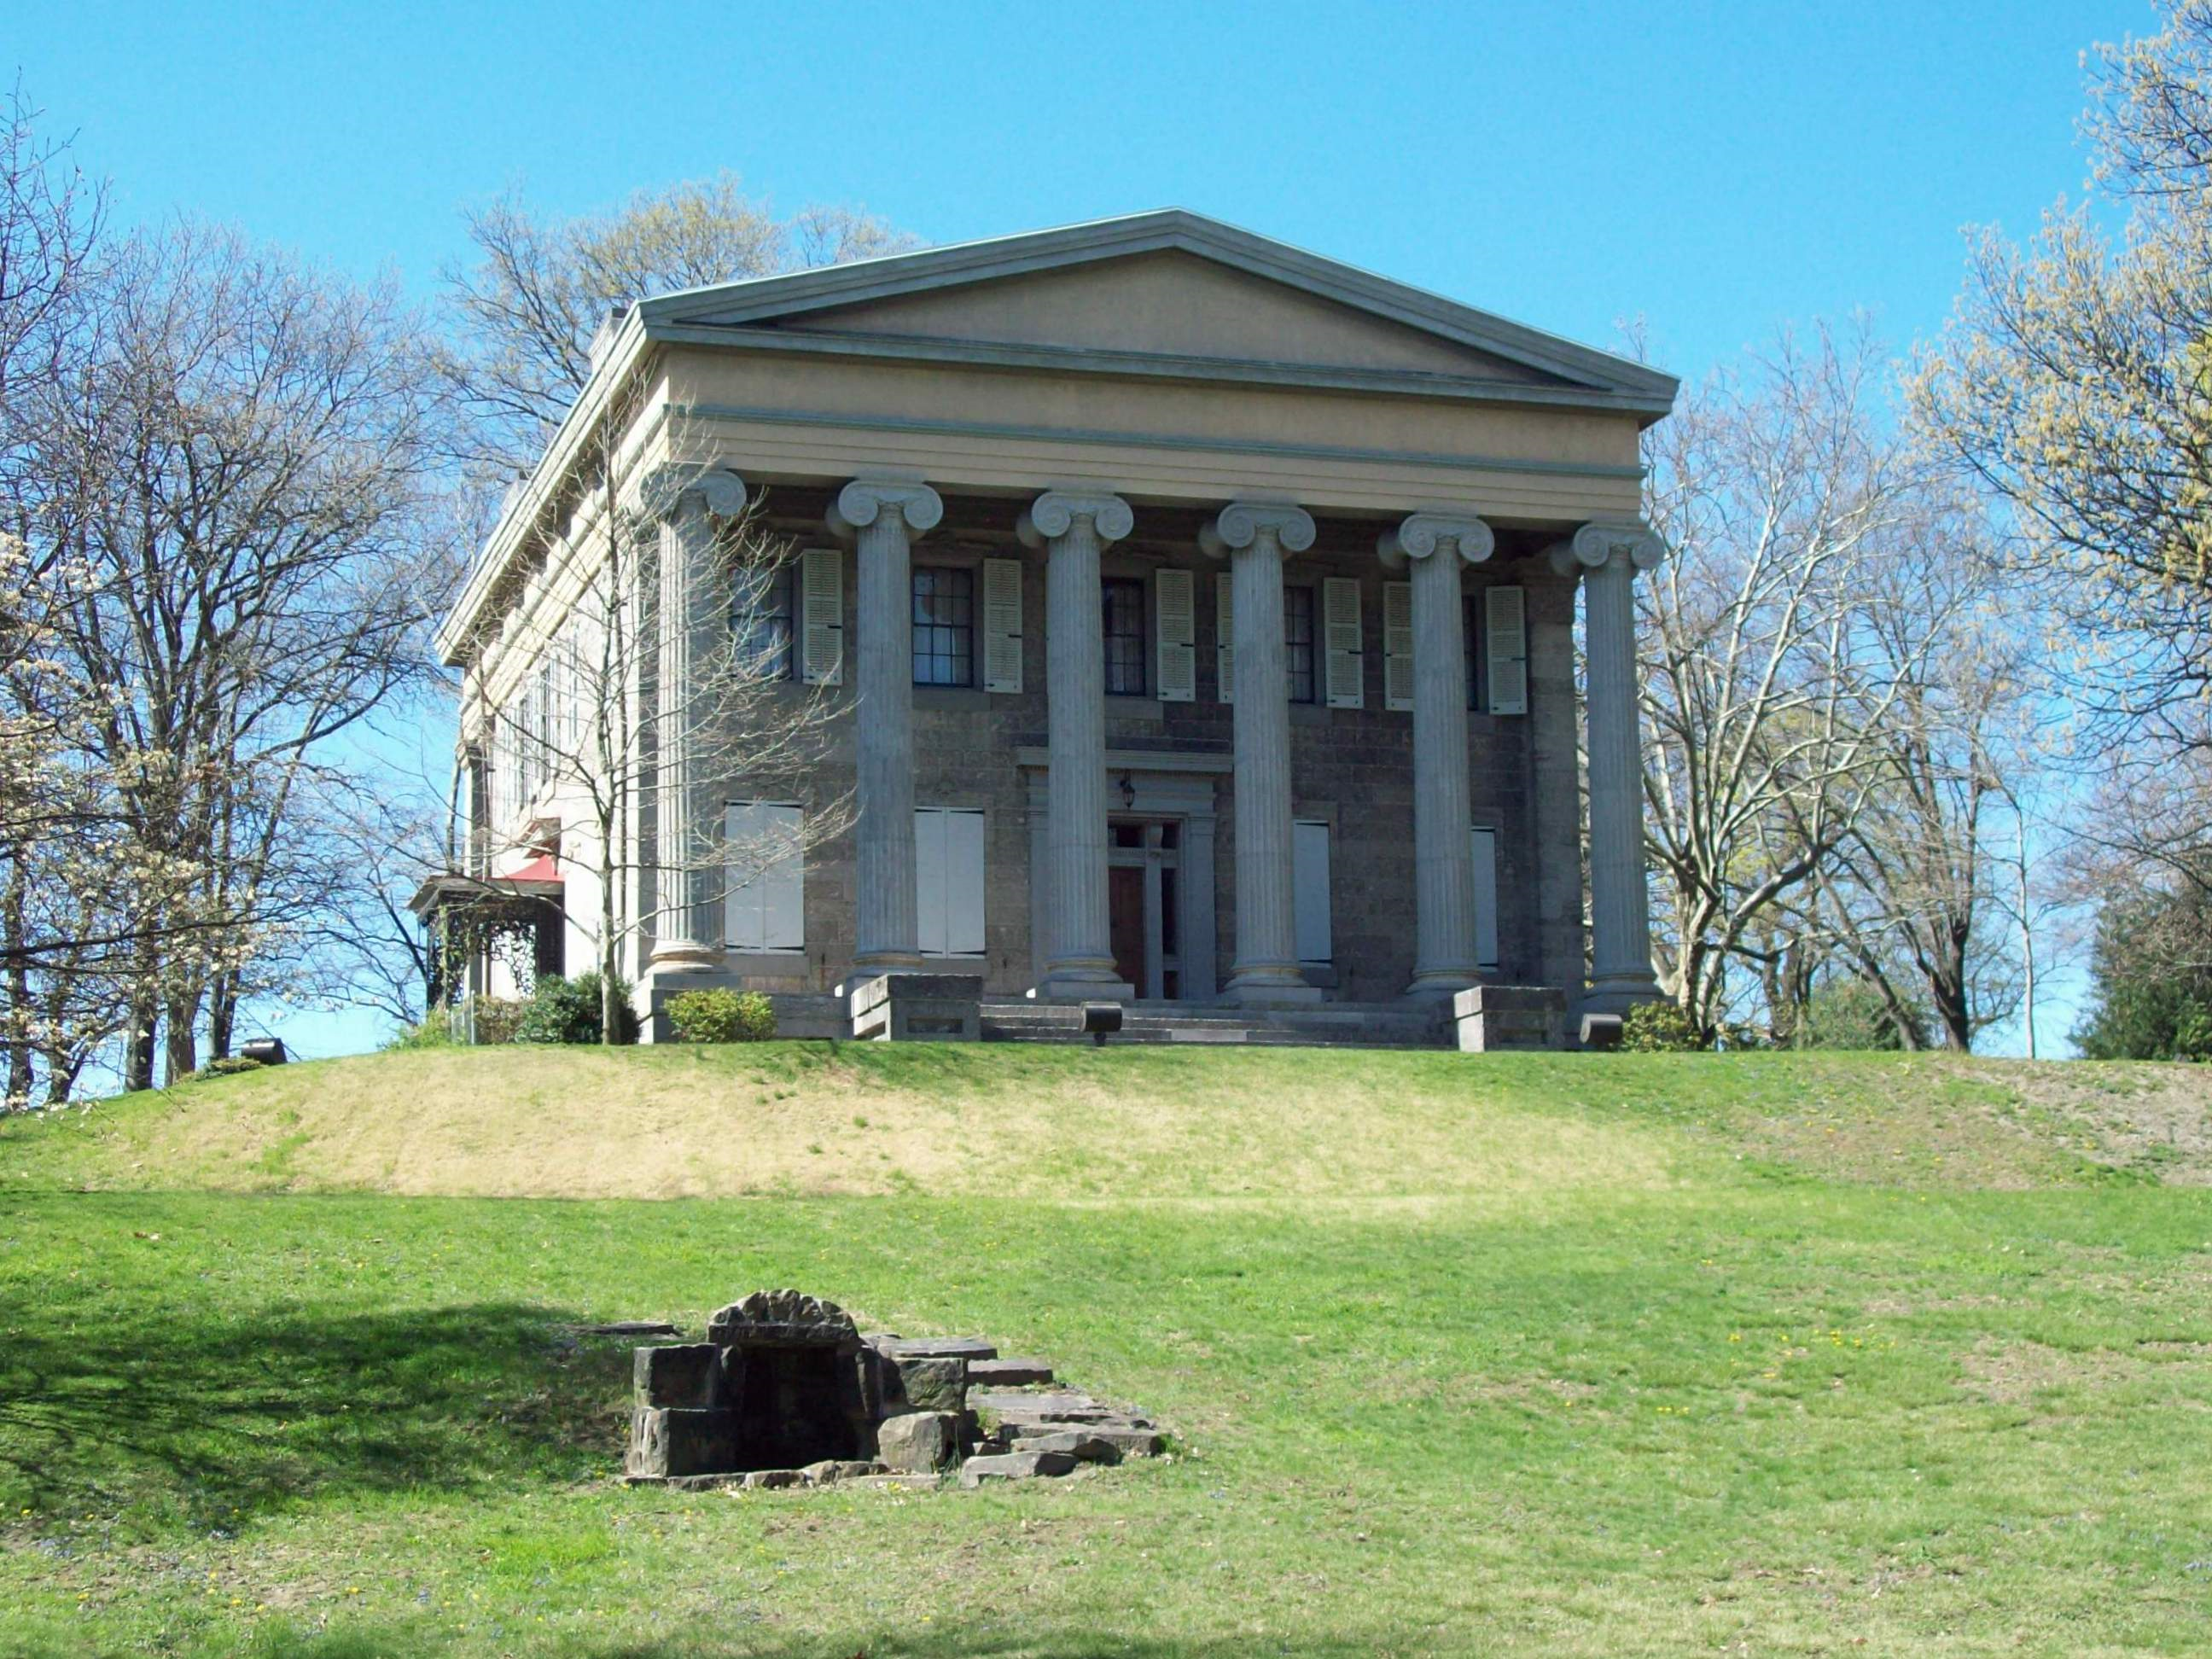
(1158,547)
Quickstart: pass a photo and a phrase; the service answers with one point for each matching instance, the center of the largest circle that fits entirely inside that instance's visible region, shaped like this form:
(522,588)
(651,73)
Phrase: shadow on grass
(207,1420)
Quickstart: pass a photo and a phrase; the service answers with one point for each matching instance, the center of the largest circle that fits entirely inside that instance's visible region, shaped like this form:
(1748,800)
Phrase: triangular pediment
(1168,288)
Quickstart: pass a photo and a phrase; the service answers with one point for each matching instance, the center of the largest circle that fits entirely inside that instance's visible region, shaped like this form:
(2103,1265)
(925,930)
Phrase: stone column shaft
(692,600)
(881,517)
(1257,535)
(1620,925)
(1443,853)
(1079,953)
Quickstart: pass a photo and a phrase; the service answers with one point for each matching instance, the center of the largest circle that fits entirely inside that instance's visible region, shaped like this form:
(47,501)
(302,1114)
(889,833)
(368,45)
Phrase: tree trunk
(17,1037)
(223,1015)
(138,1045)
(182,1050)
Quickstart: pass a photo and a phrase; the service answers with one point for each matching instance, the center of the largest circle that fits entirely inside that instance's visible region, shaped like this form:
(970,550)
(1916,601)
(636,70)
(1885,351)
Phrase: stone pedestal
(918,1008)
(1491,1017)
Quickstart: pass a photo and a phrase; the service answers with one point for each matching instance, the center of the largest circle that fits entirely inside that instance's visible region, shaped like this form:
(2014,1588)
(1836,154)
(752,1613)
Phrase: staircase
(1330,1024)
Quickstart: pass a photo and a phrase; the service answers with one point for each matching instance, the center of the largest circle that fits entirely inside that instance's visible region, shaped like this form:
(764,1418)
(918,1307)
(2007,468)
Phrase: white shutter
(929,881)
(1002,625)
(1485,900)
(1224,636)
(1506,635)
(822,622)
(1175,621)
(783,885)
(741,897)
(1339,621)
(1309,889)
(1398,645)
(963,883)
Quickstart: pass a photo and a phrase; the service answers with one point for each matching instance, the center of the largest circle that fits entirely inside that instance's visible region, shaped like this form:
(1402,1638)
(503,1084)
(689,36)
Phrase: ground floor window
(948,870)
(764,894)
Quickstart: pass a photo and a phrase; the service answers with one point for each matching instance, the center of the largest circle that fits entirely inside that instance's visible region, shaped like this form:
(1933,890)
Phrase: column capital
(864,501)
(662,493)
(1054,513)
(1423,533)
(1241,523)
(1598,544)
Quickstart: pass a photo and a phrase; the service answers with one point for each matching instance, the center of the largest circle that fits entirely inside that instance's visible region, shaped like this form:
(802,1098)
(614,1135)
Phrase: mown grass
(1668,1400)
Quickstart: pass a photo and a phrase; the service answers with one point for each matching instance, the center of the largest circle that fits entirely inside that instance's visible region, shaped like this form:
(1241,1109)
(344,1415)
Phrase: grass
(1553,1355)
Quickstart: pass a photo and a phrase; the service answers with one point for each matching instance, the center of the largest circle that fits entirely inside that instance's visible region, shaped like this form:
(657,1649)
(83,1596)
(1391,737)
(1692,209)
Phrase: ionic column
(1255,536)
(882,515)
(687,501)
(1608,556)
(1072,527)
(1437,544)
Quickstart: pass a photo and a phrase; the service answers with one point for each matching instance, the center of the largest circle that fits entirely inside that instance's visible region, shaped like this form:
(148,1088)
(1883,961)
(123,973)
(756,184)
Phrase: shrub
(568,1010)
(1660,1028)
(227,1066)
(498,1019)
(722,1016)
(434,1030)
(1851,1013)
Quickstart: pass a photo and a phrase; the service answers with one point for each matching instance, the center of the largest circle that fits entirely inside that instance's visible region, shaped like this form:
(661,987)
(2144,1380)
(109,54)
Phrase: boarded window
(763,891)
(948,869)
(1309,889)
(1486,899)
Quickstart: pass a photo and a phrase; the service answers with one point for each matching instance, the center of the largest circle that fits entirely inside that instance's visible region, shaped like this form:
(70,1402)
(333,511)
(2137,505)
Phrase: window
(1298,641)
(943,626)
(761,621)
(1486,899)
(948,880)
(1124,601)
(764,894)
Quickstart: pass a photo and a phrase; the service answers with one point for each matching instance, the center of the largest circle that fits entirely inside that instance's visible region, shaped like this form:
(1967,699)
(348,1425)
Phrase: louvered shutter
(783,884)
(1485,900)
(1309,889)
(1224,636)
(741,896)
(1175,621)
(823,615)
(1002,625)
(1346,663)
(929,881)
(1506,633)
(1398,645)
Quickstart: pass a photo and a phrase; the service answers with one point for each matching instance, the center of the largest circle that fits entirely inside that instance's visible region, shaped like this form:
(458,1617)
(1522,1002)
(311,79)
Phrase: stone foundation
(1490,1018)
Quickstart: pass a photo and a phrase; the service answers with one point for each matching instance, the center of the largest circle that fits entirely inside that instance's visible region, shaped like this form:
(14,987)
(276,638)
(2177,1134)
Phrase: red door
(1125,914)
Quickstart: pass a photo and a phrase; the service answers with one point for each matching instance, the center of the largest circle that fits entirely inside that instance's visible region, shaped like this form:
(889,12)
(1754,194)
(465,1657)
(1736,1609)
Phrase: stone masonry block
(684,1376)
(1490,1018)
(931,1385)
(918,1443)
(679,1441)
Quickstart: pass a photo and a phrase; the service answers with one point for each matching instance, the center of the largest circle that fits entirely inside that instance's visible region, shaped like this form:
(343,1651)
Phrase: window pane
(1298,641)
(943,626)
(760,622)
(1124,601)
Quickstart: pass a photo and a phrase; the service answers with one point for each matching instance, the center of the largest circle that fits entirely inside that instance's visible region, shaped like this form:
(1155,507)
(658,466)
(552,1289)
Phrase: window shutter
(1506,633)
(1175,621)
(963,883)
(929,881)
(783,884)
(1225,634)
(1309,889)
(1002,625)
(741,896)
(823,620)
(1398,645)
(1485,900)
(1346,663)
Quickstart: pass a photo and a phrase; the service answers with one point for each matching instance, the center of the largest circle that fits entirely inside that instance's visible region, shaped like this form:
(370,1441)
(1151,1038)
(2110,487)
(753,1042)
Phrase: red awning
(545,867)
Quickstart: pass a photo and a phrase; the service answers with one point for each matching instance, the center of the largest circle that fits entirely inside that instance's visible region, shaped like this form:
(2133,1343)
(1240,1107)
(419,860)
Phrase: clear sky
(1718,169)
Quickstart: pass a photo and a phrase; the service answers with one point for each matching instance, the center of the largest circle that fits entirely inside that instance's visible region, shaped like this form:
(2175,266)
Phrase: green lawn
(1772,1355)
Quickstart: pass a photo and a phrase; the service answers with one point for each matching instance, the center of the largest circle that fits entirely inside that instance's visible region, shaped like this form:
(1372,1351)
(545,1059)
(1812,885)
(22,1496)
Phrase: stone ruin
(786,1391)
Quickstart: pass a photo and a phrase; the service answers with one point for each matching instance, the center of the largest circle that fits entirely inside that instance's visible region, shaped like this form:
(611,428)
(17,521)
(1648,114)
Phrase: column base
(685,956)
(872,963)
(1083,979)
(1617,994)
(1439,984)
(1262,983)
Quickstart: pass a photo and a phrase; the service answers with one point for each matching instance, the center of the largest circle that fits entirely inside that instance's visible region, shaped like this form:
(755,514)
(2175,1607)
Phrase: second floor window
(943,626)
(761,621)
(1298,641)
(1471,612)
(1124,601)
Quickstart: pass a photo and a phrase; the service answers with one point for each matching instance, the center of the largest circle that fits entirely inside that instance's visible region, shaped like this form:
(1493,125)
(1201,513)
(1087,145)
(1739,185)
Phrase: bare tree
(526,312)
(590,734)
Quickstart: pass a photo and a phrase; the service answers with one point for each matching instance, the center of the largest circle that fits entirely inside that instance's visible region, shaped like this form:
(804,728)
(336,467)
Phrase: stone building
(1199,614)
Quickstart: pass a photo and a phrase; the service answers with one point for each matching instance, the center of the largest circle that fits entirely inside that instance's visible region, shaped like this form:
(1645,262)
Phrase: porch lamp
(1128,791)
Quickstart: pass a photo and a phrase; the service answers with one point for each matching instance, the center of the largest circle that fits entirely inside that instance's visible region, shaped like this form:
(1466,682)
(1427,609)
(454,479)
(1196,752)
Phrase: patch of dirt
(2016,1373)
(2151,1120)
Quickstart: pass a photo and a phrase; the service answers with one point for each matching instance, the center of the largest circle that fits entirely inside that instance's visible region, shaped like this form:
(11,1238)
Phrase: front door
(1125,921)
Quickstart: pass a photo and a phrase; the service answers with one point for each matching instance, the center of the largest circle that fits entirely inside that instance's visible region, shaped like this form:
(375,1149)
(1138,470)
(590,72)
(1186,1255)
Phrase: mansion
(1191,619)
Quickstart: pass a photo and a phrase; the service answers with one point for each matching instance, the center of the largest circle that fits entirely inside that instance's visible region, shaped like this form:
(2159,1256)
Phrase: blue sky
(1720,170)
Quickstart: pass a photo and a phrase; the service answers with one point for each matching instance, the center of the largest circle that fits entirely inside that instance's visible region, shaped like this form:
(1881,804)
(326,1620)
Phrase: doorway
(1125,922)
(1143,858)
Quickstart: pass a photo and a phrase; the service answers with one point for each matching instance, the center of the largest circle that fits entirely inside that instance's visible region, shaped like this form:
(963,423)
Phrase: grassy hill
(1553,1355)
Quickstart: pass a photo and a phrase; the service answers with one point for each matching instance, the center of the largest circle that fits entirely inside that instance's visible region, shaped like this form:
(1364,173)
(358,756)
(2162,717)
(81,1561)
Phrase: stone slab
(1131,1440)
(927,1385)
(1079,1444)
(1007,1373)
(1015,1465)
(970,1348)
(919,1442)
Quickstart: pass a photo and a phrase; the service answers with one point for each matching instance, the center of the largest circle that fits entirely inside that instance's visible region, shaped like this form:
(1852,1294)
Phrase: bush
(497,1019)
(568,1010)
(721,1017)
(434,1030)
(1660,1028)
(227,1066)
(1851,1013)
